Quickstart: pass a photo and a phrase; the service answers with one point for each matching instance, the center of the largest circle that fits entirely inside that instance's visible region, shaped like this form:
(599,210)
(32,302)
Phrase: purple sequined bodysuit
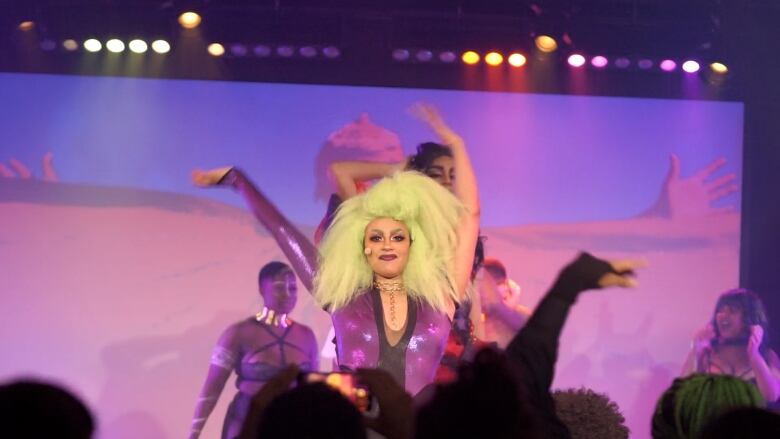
(361,340)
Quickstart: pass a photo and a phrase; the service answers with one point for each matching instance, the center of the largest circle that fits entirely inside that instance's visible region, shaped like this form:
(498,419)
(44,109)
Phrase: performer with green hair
(691,402)
(391,266)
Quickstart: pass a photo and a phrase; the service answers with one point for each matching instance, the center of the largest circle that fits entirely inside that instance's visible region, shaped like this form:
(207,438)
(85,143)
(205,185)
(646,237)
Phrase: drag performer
(438,161)
(392,266)
(735,343)
(256,349)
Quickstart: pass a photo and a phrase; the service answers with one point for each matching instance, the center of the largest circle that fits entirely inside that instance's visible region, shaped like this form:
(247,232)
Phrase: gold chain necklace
(391,287)
(271,318)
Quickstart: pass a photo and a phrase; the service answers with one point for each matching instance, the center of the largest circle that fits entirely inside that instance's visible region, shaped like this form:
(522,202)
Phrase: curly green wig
(691,402)
(431,214)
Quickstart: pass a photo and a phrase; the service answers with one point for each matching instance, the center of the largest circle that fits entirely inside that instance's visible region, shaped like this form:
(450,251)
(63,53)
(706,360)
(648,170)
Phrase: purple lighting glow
(576,60)
(622,63)
(668,65)
(599,61)
(690,66)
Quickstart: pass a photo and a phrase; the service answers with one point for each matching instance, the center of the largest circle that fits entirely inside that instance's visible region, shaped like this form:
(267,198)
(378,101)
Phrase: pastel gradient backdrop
(118,279)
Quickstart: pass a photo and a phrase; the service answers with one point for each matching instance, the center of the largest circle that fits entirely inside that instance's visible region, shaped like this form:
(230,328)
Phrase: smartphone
(345,382)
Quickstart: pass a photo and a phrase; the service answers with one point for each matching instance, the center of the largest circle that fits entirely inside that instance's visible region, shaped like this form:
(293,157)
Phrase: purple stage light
(668,65)
(599,61)
(262,51)
(285,51)
(645,64)
(622,63)
(424,55)
(307,51)
(690,66)
(331,52)
(447,57)
(400,54)
(238,50)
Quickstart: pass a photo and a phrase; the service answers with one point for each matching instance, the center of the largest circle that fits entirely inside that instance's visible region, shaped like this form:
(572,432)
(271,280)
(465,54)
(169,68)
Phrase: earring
(367,251)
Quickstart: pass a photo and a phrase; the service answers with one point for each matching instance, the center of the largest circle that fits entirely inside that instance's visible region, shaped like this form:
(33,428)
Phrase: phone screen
(344,382)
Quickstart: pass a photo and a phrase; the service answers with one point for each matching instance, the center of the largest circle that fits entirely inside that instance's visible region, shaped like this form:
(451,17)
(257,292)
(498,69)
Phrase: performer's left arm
(223,361)
(465,188)
(767,375)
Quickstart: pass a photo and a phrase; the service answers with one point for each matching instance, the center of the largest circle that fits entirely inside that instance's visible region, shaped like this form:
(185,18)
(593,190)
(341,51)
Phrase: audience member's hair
(691,402)
(311,411)
(743,423)
(485,401)
(590,415)
(41,410)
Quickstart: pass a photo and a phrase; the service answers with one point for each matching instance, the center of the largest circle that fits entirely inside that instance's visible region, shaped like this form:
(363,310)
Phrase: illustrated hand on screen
(693,196)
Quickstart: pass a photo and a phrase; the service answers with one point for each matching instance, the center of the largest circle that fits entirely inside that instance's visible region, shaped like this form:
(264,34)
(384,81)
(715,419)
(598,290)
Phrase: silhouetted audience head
(744,423)
(311,411)
(485,401)
(590,415)
(31,409)
(691,402)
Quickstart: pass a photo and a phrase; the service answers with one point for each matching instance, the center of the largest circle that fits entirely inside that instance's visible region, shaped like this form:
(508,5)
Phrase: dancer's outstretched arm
(535,348)
(299,250)
(349,174)
(466,189)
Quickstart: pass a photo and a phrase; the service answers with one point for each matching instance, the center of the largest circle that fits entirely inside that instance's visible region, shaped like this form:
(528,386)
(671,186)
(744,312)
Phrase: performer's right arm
(223,360)
(301,253)
(348,174)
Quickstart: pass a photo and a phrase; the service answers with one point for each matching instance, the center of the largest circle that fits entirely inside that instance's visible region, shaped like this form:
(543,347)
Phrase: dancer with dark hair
(256,349)
(735,342)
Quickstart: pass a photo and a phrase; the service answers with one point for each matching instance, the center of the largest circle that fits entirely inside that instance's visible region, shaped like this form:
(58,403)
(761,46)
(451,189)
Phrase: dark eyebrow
(437,167)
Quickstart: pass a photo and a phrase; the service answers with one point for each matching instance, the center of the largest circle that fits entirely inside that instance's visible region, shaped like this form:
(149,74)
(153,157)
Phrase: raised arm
(465,188)
(349,174)
(223,361)
(296,247)
(535,348)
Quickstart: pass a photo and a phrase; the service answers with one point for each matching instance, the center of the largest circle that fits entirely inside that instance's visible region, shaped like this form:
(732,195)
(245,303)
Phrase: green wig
(431,214)
(690,403)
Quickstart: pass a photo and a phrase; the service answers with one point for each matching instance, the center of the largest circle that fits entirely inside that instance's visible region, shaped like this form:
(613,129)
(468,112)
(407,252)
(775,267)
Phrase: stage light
(26,25)
(189,20)
(331,52)
(262,51)
(470,57)
(285,51)
(400,55)
(70,45)
(48,45)
(719,68)
(216,49)
(92,45)
(161,46)
(668,65)
(307,51)
(516,60)
(115,46)
(494,59)
(424,55)
(599,61)
(447,57)
(238,50)
(546,43)
(138,46)
(576,60)
(690,66)
(645,64)
(622,63)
